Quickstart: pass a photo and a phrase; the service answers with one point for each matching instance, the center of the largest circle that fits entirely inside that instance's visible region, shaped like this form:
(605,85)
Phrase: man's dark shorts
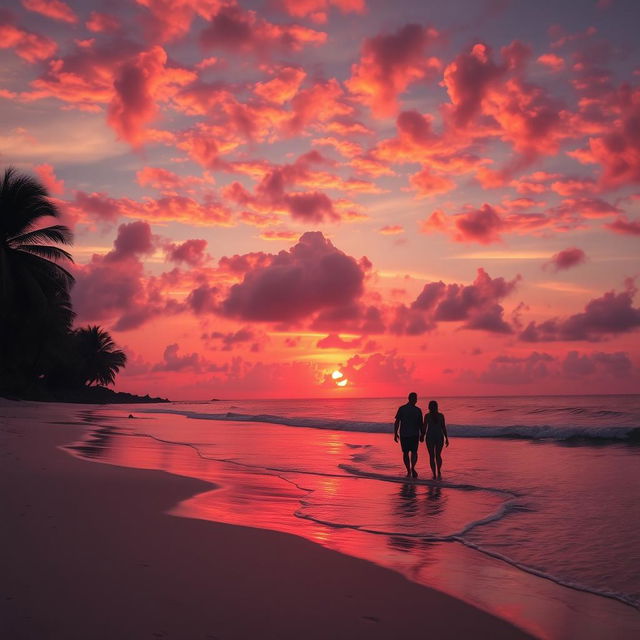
(409,444)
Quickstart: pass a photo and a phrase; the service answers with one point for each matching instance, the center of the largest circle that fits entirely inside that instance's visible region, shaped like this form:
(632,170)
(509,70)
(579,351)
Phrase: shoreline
(91,552)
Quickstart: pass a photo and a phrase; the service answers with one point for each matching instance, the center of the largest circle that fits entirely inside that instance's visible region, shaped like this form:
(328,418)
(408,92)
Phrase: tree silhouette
(99,358)
(35,307)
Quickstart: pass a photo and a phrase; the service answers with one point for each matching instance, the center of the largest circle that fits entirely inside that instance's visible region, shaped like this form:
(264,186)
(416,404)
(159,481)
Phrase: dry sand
(88,552)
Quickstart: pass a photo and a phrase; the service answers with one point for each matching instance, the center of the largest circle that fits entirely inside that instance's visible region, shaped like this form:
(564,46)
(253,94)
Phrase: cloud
(230,339)
(427,183)
(566,259)
(477,304)
(391,229)
(510,370)
(317,10)
(139,85)
(112,288)
(54,9)
(625,226)
(167,20)
(133,239)
(235,29)
(482,225)
(618,151)
(102,23)
(174,362)
(164,180)
(616,365)
(313,275)
(389,64)
(283,86)
(47,176)
(98,206)
(611,314)
(30,46)
(190,252)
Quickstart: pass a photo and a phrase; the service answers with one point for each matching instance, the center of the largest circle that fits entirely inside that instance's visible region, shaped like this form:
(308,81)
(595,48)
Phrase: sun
(342,383)
(336,375)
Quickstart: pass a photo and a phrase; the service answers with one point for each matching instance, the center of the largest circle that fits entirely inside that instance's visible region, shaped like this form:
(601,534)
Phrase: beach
(90,552)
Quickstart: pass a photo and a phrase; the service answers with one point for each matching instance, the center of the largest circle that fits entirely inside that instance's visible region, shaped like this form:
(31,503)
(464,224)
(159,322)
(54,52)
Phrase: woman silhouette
(436,437)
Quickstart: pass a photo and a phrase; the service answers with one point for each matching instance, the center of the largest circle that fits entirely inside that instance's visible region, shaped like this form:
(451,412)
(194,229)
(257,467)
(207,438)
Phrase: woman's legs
(431,448)
(438,451)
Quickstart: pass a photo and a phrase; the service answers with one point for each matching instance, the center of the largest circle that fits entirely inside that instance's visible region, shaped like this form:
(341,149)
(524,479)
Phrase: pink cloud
(171,361)
(517,370)
(611,314)
(102,23)
(98,206)
(235,29)
(113,289)
(317,10)
(47,176)
(483,225)
(165,180)
(319,103)
(230,339)
(133,239)
(313,275)
(54,9)
(426,183)
(552,61)
(30,46)
(389,64)
(477,304)
(616,365)
(567,258)
(190,252)
(283,86)
(167,20)
(139,85)
(468,79)
(625,226)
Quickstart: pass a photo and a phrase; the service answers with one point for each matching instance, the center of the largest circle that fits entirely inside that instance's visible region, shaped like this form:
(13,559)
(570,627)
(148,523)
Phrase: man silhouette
(409,425)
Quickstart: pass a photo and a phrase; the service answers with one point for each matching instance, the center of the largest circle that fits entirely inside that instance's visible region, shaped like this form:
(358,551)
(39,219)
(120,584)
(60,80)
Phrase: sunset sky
(439,196)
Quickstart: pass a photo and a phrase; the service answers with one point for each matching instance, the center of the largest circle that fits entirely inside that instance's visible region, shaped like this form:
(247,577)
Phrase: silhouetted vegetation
(41,355)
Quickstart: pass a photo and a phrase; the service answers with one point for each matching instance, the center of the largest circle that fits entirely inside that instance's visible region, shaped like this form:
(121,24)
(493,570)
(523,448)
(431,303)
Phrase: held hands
(421,438)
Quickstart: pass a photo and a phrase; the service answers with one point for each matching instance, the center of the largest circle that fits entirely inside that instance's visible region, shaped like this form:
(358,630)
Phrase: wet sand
(88,551)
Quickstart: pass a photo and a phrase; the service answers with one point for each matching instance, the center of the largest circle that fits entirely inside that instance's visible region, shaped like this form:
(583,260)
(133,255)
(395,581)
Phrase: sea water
(536,518)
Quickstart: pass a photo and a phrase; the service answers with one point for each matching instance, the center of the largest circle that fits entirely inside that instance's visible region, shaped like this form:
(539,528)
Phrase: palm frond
(22,201)
(50,271)
(46,252)
(57,233)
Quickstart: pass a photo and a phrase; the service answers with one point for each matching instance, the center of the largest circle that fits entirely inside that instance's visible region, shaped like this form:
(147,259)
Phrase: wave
(524,432)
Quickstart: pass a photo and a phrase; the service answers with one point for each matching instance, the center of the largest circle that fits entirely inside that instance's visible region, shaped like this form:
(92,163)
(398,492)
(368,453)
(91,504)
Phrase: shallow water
(513,524)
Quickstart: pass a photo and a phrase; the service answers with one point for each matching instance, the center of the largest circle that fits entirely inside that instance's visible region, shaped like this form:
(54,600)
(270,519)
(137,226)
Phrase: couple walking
(412,428)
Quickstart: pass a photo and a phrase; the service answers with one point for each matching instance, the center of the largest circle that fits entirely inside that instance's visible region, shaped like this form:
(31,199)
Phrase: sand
(87,551)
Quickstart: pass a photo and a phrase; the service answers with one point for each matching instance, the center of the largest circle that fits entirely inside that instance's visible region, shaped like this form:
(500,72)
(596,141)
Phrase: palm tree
(35,306)
(100,359)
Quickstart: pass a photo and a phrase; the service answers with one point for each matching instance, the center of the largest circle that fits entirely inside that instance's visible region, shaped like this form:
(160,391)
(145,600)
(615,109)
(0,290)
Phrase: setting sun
(336,375)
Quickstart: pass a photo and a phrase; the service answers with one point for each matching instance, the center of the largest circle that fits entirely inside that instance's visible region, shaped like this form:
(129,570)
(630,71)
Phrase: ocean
(536,517)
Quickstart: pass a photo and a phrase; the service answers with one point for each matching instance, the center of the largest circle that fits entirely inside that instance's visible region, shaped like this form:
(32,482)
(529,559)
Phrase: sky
(358,198)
